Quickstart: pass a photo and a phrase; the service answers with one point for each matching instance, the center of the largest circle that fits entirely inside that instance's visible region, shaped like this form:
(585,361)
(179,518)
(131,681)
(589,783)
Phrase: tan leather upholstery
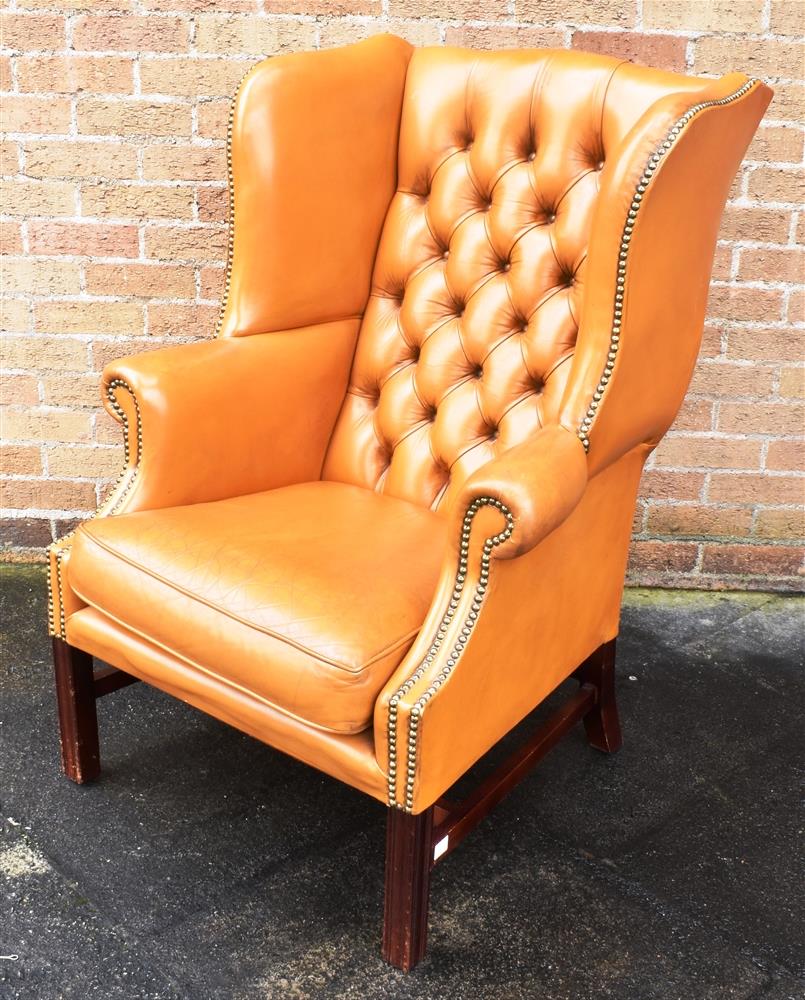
(387,513)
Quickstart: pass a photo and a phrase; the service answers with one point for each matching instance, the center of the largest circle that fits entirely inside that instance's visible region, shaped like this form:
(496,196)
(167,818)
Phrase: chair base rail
(415,844)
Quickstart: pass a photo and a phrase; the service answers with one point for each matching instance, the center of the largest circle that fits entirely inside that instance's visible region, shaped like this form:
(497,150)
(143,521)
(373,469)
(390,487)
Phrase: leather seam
(374,658)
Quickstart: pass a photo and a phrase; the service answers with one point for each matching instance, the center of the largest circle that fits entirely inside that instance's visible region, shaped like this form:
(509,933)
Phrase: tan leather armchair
(387,511)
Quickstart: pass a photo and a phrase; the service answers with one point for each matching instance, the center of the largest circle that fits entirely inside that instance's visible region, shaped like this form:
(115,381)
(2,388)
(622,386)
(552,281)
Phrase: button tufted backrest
(466,342)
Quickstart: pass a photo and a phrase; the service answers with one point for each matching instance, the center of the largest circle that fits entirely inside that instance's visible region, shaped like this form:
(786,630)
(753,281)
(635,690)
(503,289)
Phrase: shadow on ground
(204,864)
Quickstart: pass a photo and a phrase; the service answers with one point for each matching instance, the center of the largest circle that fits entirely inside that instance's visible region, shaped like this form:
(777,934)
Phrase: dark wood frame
(414,843)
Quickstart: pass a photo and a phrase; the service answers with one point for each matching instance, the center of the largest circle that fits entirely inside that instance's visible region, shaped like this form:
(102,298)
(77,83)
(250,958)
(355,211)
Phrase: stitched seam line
(453,657)
(253,625)
(584,428)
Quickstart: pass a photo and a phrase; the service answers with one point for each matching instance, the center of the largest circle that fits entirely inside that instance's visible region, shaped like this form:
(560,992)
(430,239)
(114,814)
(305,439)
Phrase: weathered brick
(186,77)
(777,184)
(187,163)
(46,494)
(10,238)
(669,557)
(211,280)
(761,418)
(21,390)
(80,159)
(781,522)
(786,454)
(40,277)
(796,307)
(136,201)
(704,15)
(213,119)
(104,351)
(764,264)
(694,415)
(74,74)
(185,243)
(477,10)
(82,391)
(130,117)
(692,452)
(328,8)
(760,57)
(499,36)
(742,304)
(6,82)
(88,239)
(792,383)
(25,532)
(15,315)
(778,144)
(415,31)
(141,280)
(660,51)
(213,204)
(88,317)
(90,460)
(766,225)
(130,34)
(698,520)
(26,198)
(44,353)
(788,103)
(786,17)
(40,424)
(766,345)
(752,560)
(181,320)
(42,115)
(32,32)
(724,380)
(612,13)
(755,488)
(249,35)
(661,484)
(21,459)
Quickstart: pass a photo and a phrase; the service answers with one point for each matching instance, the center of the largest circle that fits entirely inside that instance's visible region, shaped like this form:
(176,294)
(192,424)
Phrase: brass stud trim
(417,710)
(585,427)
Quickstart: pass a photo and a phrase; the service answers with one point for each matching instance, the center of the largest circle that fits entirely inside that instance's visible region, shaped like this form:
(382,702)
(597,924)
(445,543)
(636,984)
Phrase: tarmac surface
(204,864)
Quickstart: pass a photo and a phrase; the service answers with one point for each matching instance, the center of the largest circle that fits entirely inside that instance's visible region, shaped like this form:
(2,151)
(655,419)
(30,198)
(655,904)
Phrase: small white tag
(440,848)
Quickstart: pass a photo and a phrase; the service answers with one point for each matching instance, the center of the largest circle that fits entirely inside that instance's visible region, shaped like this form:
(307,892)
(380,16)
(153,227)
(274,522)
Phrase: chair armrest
(471,673)
(225,417)
(649,262)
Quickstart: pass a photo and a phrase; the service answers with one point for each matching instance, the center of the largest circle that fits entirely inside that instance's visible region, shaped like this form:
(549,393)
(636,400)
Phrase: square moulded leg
(602,723)
(78,720)
(408,864)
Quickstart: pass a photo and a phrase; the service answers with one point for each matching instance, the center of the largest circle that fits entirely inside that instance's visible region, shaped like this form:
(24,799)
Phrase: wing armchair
(386,512)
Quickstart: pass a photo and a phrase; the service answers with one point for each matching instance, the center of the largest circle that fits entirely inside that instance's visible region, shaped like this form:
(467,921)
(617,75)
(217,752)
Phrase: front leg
(602,723)
(78,719)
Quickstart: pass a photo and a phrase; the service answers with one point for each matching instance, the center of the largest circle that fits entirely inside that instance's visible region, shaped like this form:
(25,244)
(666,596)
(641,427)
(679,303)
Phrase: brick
(694,415)
(610,13)
(722,262)
(43,115)
(191,77)
(765,264)
(91,461)
(15,315)
(107,430)
(21,390)
(27,198)
(81,5)
(783,523)
(112,160)
(792,383)
(181,321)
(711,342)
(699,521)
(38,424)
(104,351)
(10,238)
(136,201)
(74,74)
(743,304)
(44,353)
(88,317)
(755,488)
(689,452)
(130,34)
(417,32)
(777,184)
(778,144)
(186,243)
(81,391)
(786,455)
(796,306)
(87,239)
(249,35)
(660,484)
(212,282)
(5,73)
(670,557)
(40,277)
(144,280)
(213,204)
(752,560)
(25,532)
(9,157)
(786,17)
(766,345)
(788,103)
(21,459)
(476,10)
(96,116)
(724,380)
(710,15)
(46,494)
(326,7)
(236,6)
(498,36)
(213,119)
(189,163)
(658,51)
(766,225)
(757,57)
(31,32)
(761,418)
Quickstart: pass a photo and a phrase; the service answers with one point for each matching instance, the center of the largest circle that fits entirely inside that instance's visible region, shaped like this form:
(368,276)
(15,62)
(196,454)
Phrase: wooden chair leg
(601,723)
(408,864)
(78,720)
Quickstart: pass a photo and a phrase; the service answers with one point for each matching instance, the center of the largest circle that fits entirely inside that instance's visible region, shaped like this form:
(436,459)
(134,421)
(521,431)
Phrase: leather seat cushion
(306,597)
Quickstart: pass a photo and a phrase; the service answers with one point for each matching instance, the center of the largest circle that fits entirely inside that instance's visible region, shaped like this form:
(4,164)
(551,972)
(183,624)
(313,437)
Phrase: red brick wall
(114,237)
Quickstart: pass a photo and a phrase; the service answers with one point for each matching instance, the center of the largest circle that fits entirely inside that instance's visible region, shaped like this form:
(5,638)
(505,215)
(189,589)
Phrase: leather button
(445,254)
(478,371)
(532,156)
(506,265)
(599,165)
(552,217)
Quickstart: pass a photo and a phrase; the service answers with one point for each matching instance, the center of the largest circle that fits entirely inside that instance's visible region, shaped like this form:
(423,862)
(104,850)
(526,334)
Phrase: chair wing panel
(650,259)
(312,168)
